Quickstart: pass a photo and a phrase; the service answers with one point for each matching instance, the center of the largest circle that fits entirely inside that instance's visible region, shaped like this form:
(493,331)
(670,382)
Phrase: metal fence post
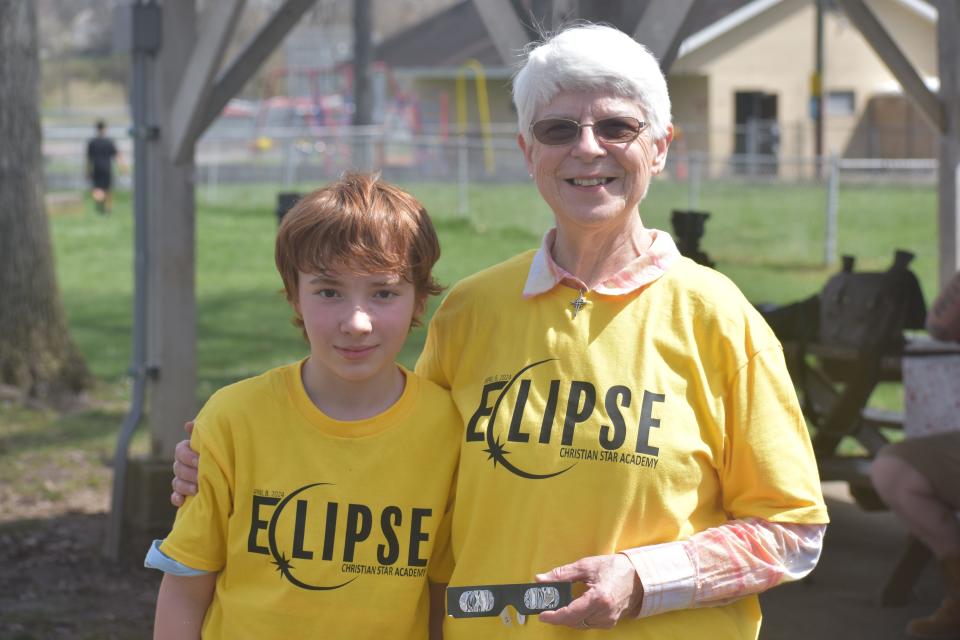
(752,146)
(213,172)
(800,145)
(833,201)
(288,160)
(693,180)
(463,177)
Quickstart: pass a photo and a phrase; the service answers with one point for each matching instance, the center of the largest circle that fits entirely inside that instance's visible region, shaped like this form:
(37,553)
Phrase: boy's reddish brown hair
(362,224)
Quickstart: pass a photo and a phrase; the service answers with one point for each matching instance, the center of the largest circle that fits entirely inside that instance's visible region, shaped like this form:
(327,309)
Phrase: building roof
(449,38)
(721,25)
(443,42)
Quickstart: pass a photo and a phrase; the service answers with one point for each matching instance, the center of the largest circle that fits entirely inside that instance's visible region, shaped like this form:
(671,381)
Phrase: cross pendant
(578,303)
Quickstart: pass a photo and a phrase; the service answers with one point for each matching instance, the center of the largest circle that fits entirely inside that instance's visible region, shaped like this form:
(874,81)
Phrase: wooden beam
(171,302)
(662,28)
(504,27)
(216,28)
(563,12)
(948,202)
(549,15)
(891,55)
(246,63)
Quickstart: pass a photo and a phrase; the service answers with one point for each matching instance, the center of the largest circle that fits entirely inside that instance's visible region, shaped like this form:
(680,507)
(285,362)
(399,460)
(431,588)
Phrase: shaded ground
(55,585)
(839,599)
(54,494)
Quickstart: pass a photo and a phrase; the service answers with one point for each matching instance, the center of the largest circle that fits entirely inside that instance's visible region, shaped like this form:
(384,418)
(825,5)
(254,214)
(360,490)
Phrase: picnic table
(835,384)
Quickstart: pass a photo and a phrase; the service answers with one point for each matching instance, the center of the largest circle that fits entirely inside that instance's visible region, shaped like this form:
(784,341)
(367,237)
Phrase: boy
(326,485)
(101,153)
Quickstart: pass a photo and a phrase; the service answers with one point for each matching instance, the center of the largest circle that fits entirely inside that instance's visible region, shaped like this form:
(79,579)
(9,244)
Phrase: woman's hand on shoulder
(185,464)
(614,591)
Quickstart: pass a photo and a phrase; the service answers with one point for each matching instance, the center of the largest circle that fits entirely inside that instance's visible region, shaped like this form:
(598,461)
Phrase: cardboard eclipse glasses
(490,600)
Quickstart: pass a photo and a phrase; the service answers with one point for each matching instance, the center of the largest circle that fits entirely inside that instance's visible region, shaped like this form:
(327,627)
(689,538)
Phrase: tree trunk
(36,353)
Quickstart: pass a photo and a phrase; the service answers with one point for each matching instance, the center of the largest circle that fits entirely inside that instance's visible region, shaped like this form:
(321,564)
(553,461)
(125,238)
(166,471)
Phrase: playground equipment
(314,105)
(483,108)
(324,96)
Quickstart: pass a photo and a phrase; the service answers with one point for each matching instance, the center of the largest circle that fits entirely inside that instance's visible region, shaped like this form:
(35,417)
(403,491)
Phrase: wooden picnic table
(835,384)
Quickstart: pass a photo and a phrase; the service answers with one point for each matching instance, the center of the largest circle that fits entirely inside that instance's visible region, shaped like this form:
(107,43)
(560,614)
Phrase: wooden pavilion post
(948,45)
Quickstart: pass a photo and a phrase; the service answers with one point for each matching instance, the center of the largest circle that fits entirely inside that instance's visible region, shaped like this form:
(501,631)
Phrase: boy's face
(356,324)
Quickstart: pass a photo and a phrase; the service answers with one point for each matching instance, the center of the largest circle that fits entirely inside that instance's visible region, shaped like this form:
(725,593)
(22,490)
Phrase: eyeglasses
(489,600)
(557,131)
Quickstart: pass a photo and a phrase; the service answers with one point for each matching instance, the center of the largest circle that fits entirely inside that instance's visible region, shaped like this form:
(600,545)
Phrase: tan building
(744,83)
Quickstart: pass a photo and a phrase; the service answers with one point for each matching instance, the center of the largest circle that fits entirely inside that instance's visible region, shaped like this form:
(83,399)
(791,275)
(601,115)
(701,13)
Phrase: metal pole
(142,134)
(362,84)
(213,175)
(948,172)
(693,181)
(463,177)
(833,202)
(801,152)
(362,56)
(287,160)
(817,91)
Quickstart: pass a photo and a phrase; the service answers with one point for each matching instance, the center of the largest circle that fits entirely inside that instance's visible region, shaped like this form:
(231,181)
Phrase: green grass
(767,238)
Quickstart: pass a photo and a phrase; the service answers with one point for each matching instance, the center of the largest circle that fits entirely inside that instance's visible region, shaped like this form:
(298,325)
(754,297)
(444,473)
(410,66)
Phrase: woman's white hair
(587,57)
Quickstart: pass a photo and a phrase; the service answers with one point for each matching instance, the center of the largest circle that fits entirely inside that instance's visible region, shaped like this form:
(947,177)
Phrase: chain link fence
(752,197)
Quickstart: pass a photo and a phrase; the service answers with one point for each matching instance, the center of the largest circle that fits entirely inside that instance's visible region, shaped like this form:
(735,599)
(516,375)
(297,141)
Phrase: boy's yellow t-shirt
(646,418)
(319,528)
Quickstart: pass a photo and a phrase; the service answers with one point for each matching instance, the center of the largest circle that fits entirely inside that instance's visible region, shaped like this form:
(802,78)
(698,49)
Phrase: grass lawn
(767,238)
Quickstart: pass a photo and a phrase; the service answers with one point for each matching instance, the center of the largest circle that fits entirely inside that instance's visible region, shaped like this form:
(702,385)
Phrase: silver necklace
(579,302)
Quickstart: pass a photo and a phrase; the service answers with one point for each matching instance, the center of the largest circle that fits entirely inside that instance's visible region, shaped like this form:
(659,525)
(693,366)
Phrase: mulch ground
(55,583)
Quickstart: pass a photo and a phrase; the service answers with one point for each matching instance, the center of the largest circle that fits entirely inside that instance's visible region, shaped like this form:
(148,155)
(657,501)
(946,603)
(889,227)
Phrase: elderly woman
(629,422)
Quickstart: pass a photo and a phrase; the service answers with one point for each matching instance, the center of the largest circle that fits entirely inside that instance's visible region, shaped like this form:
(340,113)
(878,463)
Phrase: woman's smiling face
(589,182)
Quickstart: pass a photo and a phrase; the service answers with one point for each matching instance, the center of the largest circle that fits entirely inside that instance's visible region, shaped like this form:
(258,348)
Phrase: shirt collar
(545,274)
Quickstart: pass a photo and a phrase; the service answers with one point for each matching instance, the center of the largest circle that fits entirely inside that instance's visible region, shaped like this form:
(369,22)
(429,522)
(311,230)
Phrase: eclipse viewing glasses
(489,600)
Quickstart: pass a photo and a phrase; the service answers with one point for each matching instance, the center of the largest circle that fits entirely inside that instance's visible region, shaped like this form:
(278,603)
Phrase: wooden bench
(834,385)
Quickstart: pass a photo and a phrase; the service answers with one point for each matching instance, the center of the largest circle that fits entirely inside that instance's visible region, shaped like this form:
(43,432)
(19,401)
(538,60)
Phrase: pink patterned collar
(545,274)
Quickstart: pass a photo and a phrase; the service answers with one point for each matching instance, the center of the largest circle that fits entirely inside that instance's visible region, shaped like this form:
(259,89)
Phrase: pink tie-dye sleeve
(721,564)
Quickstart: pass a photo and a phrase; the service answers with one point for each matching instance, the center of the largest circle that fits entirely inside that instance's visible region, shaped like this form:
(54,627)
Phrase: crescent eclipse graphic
(282,562)
(497,451)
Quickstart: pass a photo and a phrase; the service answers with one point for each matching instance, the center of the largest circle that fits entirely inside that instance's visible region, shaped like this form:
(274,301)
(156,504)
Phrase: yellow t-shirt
(319,528)
(645,419)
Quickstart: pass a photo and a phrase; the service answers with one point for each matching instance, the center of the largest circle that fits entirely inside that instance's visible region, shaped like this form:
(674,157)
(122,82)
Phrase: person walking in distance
(101,154)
